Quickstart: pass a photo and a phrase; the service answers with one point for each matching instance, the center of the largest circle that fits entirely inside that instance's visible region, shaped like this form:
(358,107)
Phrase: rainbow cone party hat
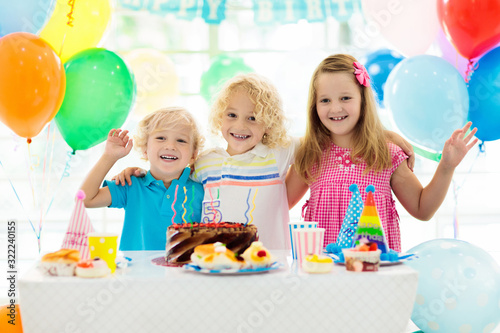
(78,228)
(369,226)
(350,223)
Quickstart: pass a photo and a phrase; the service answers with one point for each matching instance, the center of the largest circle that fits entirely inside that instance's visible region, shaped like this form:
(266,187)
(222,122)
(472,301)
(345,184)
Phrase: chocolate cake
(183,238)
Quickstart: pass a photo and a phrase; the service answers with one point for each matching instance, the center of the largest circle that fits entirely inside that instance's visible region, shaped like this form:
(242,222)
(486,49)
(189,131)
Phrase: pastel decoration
(156,78)
(484,93)
(10,321)
(78,229)
(76,25)
(104,246)
(100,93)
(410,26)
(32,83)
(24,16)
(350,223)
(298,225)
(369,226)
(471,26)
(428,99)
(458,287)
(222,68)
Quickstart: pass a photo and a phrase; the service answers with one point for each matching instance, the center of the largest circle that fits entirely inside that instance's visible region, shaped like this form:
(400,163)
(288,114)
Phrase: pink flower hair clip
(361,74)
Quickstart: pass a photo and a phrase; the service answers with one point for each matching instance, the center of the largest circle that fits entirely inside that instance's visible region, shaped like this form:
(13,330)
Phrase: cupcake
(363,258)
(317,264)
(60,263)
(215,257)
(257,256)
(92,268)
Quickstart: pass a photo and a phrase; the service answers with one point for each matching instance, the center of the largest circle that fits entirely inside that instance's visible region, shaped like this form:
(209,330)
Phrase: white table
(149,298)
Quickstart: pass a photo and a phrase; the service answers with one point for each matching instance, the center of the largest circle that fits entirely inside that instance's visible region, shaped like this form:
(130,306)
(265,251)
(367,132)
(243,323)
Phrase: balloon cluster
(91,93)
(426,95)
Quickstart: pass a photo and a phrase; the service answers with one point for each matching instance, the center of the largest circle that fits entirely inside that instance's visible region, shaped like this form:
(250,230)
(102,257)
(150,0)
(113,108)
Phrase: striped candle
(298,225)
(308,241)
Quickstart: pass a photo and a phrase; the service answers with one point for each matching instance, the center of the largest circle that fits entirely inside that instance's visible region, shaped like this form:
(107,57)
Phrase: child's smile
(239,127)
(169,151)
(338,104)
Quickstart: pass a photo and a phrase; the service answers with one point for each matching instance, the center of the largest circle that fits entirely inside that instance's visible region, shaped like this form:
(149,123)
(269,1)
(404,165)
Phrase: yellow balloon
(76,25)
(156,79)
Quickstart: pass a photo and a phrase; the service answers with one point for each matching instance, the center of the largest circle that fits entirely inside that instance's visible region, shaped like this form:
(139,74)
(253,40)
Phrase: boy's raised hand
(457,146)
(118,144)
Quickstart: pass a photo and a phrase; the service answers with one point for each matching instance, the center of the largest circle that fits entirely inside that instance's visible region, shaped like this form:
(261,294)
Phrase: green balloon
(222,68)
(100,92)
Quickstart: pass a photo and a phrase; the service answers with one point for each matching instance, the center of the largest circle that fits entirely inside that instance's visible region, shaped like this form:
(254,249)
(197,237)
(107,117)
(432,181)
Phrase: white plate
(195,268)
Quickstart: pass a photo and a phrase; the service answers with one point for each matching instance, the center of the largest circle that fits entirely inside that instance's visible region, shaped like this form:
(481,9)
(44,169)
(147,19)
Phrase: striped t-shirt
(248,188)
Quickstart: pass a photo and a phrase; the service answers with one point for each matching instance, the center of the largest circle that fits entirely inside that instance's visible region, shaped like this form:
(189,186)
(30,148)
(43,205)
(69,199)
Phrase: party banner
(265,11)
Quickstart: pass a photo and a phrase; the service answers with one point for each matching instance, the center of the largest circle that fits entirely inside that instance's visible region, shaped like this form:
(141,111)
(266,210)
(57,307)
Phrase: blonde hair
(167,118)
(368,141)
(268,107)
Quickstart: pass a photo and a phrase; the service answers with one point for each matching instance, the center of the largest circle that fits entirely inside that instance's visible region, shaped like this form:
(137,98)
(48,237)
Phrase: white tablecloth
(149,298)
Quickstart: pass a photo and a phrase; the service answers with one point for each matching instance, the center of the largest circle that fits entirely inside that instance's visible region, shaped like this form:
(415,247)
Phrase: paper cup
(104,245)
(298,225)
(308,241)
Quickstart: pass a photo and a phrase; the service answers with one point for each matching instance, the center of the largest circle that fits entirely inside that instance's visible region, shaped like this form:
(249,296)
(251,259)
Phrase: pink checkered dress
(330,193)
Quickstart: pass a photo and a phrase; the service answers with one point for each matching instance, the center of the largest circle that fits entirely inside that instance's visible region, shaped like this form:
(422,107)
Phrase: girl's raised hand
(118,143)
(457,146)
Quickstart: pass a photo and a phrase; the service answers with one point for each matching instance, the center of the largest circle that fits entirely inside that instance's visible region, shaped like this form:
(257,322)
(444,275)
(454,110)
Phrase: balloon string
(471,67)
(64,174)
(70,17)
(456,189)
(21,203)
(44,180)
(30,168)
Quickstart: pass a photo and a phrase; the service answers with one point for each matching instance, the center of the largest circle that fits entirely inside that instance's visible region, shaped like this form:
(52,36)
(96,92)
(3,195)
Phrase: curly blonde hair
(268,107)
(167,118)
(369,139)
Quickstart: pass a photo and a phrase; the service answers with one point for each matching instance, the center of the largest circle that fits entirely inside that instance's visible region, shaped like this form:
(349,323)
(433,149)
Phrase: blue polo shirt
(148,209)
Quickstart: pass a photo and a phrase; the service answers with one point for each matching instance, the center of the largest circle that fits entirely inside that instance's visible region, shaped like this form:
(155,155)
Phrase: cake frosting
(257,256)
(216,257)
(183,238)
(92,268)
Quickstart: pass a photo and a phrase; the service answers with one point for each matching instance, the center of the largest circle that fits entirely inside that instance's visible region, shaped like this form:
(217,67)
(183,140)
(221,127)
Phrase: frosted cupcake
(257,256)
(92,268)
(362,258)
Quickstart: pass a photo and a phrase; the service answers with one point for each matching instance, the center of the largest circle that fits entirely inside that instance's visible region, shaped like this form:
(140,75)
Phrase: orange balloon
(32,83)
(14,316)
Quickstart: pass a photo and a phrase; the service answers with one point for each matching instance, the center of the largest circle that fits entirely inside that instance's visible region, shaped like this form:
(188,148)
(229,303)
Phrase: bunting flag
(78,228)
(369,226)
(265,11)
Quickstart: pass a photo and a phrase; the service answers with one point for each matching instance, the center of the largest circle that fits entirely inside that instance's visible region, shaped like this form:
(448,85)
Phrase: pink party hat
(78,228)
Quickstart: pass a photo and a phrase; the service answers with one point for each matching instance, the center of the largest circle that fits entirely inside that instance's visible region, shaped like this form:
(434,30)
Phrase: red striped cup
(308,241)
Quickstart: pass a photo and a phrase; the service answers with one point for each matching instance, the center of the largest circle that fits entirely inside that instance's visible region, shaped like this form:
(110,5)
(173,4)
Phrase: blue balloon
(458,287)
(379,64)
(428,100)
(484,93)
(26,15)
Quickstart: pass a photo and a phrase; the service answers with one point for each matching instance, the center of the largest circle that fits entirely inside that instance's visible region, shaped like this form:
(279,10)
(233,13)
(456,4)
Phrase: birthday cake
(183,238)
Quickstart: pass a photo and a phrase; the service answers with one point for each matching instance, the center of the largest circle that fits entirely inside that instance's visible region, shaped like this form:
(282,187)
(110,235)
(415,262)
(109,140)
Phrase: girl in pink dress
(345,144)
